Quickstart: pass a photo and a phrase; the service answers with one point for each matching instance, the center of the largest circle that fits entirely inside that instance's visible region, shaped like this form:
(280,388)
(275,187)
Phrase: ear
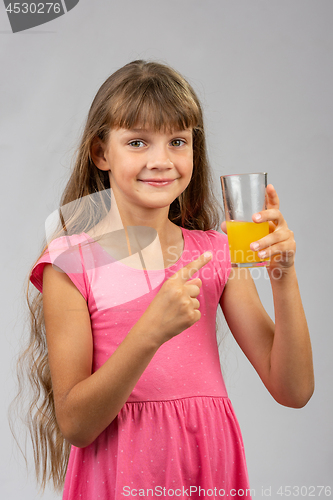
(97,151)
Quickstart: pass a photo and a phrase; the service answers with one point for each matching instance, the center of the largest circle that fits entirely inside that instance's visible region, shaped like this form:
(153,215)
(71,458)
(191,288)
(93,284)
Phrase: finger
(195,281)
(285,249)
(277,236)
(186,272)
(224,227)
(196,303)
(272,214)
(272,199)
(193,290)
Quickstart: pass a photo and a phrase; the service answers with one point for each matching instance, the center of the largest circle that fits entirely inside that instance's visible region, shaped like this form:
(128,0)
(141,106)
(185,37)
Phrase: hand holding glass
(243,196)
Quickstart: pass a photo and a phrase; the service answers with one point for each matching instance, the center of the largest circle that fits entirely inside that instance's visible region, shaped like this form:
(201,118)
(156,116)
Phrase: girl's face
(148,169)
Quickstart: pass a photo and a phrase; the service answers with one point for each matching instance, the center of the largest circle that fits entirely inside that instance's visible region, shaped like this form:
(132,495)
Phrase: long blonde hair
(140,92)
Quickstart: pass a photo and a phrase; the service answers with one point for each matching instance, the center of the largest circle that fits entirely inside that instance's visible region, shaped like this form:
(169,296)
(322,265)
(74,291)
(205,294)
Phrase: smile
(158,183)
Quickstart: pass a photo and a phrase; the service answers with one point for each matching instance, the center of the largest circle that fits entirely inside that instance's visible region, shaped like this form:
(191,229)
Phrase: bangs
(161,105)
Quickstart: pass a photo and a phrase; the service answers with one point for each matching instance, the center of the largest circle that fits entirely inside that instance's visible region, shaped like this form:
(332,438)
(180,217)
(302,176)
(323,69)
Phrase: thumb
(186,272)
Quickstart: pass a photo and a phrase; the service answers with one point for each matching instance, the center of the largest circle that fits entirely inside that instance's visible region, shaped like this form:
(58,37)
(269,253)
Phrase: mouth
(159,183)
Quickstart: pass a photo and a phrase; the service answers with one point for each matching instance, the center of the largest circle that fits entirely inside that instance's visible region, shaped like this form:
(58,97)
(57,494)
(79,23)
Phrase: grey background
(263,71)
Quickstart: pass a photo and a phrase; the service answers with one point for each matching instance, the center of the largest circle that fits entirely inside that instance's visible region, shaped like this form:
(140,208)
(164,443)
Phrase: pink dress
(177,434)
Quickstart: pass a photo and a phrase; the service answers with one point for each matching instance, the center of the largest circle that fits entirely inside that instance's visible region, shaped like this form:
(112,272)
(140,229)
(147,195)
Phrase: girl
(130,399)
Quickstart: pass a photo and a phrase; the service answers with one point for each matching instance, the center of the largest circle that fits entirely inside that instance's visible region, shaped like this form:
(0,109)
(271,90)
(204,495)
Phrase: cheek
(187,167)
(128,174)
(186,170)
(123,167)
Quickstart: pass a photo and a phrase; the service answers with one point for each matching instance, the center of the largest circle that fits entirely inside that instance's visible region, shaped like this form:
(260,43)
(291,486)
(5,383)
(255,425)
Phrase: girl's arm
(280,353)
(86,403)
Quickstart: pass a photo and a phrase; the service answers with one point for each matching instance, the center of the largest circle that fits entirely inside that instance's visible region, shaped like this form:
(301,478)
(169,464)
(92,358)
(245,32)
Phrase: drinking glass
(244,195)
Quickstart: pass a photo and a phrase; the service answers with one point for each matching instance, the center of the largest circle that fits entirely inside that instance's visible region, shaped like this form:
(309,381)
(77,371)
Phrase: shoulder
(65,243)
(216,238)
(65,253)
(211,238)
(65,256)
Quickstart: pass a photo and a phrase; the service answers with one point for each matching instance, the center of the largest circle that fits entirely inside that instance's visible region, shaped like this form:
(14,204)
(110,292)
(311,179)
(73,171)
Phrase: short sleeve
(65,253)
(221,255)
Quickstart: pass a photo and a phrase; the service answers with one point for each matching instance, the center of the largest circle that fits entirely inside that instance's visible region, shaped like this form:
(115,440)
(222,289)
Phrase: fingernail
(254,246)
(262,254)
(257,217)
(208,254)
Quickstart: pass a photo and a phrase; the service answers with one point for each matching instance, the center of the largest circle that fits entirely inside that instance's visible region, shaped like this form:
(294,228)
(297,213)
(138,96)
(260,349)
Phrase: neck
(118,218)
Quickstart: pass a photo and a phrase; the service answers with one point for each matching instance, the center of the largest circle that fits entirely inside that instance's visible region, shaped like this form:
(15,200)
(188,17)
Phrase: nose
(159,158)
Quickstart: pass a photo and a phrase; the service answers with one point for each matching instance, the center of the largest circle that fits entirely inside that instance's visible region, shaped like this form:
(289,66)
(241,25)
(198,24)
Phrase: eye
(177,142)
(136,144)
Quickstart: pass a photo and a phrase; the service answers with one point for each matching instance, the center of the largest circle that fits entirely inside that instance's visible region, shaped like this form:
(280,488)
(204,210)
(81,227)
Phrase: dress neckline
(175,264)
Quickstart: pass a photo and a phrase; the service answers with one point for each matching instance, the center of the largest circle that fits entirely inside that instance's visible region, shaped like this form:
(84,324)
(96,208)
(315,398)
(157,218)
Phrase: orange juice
(240,235)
